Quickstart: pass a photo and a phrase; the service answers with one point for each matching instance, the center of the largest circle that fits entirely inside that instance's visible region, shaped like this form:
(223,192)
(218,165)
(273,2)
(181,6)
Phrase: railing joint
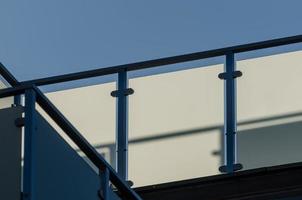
(234,167)
(20,122)
(119,93)
(232,75)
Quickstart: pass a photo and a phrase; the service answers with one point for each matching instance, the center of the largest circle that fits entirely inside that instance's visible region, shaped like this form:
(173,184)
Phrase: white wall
(178,118)
(179,102)
(5,102)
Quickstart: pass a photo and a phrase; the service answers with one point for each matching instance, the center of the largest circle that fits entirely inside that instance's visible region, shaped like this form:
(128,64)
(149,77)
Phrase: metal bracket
(231,133)
(19,122)
(117,93)
(236,167)
(225,75)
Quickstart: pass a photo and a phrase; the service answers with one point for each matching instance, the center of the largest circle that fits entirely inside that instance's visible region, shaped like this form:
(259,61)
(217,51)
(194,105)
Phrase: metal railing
(229,76)
(33,95)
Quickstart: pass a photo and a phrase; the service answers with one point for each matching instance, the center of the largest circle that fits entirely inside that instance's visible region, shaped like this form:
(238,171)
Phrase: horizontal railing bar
(13,91)
(83,144)
(165,61)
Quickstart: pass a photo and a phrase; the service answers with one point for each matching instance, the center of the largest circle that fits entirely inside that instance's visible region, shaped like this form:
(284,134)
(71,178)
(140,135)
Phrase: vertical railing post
(121,94)
(122,127)
(29,129)
(104,179)
(230,140)
(17,100)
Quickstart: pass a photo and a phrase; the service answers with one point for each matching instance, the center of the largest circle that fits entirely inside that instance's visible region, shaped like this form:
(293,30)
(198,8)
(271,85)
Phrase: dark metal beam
(266,183)
(13,91)
(8,76)
(166,61)
(11,80)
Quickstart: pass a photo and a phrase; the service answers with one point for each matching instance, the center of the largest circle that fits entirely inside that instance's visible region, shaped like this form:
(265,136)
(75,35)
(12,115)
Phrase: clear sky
(50,37)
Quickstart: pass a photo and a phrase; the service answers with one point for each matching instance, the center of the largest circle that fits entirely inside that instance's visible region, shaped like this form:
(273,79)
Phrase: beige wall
(162,104)
(178,117)
(179,102)
(5,102)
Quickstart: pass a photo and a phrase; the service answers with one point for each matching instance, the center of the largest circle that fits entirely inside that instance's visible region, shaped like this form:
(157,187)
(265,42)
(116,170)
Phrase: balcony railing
(30,88)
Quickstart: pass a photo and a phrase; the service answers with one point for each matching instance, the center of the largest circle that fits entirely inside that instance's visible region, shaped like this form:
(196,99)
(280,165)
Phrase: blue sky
(41,38)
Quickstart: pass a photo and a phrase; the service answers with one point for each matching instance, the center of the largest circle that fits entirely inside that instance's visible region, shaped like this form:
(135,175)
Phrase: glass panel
(175,125)
(270,110)
(59,172)
(91,110)
(5,102)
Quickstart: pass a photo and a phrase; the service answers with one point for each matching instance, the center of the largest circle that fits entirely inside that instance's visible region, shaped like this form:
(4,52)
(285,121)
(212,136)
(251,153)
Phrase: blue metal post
(122,125)
(230,114)
(230,140)
(104,177)
(30,99)
(17,100)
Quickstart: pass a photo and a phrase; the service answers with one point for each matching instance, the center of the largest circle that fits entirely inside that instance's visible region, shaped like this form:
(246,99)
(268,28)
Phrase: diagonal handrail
(83,144)
(70,130)
(8,76)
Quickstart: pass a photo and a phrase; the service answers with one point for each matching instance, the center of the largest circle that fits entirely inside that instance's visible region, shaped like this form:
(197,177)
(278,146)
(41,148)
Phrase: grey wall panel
(10,153)
(60,173)
(271,145)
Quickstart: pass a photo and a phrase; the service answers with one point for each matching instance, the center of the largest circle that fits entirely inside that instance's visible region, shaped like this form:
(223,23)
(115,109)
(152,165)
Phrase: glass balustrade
(175,125)
(92,110)
(270,110)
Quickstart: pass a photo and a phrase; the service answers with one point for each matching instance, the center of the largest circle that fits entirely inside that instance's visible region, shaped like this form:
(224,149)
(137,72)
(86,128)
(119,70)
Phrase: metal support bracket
(225,75)
(20,122)
(235,167)
(126,92)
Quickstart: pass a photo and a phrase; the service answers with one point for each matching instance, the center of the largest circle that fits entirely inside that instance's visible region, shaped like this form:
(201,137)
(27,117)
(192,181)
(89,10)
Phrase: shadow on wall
(272,145)
(262,142)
